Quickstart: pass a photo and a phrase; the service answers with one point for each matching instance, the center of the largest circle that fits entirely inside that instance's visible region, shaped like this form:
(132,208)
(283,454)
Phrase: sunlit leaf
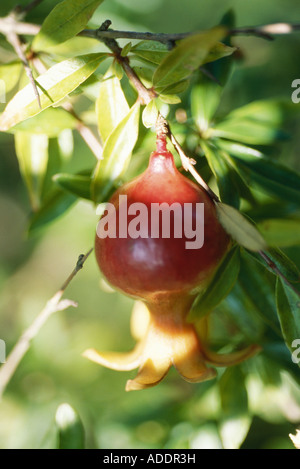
(9,77)
(111,105)
(50,122)
(70,428)
(150,113)
(288,308)
(116,154)
(240,228)
(186,57)
(32,154)
(220,286)
(53,86)
(65,20)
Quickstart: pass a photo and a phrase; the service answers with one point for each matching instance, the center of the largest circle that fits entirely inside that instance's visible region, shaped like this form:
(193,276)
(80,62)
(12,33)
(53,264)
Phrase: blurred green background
(174,414)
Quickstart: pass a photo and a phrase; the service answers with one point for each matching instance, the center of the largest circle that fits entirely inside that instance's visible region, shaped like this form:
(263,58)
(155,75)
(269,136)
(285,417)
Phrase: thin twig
(84,131)
(16,43)
(54,305)
(21,11)
(278,272)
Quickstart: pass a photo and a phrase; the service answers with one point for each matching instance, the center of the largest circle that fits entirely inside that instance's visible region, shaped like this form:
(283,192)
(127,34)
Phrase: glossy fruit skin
(156,268)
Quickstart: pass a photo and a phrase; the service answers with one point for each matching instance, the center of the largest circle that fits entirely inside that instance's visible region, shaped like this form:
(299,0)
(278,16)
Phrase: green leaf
(269,111)
(186,57)
(116,154)
(50,122)
(258,285)
(65,20)
(32,154)
(53,86)
(151,51)
(239,228)
(288,309)
(205,98)
(246,131)
(223,174)
(267,175)
(149,115)
(235,420)
(9,76)
(220,286)
(281,261)
(256,123)
(219,51)
(76,184)
(111,105)
(70,428)
(281,232)
(57,202)
(174,88)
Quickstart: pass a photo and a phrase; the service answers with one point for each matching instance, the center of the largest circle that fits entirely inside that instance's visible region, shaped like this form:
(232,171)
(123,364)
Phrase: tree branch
(54,305)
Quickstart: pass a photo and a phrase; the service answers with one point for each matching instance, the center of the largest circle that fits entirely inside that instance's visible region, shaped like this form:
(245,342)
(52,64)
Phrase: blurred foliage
(244,136)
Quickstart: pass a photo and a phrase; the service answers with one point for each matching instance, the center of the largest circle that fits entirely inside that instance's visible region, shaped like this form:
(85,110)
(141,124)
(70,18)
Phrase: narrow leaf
(223,174)
(9,77)
(32,154)
(116,154)
(247,131)
(65,20)
(76,184)
(235,421)
(267,175)
(220,286)
(205,98)
(50,122)
(54,205)
(281,232)
(53,86)
(239,228)
(186,57)
(281,261)
(111,106)
(288,309)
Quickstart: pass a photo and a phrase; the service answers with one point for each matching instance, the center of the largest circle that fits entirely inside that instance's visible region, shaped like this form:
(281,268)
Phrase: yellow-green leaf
(32,154)
(186,57)
(52,86)
(65,20)
(111,106)
(239,228)
(116,154)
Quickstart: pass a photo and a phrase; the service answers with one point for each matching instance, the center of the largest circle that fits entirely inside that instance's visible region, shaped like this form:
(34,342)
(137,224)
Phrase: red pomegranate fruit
(160,241)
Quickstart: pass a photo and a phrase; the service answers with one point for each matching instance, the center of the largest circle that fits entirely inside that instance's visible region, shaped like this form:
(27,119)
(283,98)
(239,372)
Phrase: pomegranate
(164,270)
